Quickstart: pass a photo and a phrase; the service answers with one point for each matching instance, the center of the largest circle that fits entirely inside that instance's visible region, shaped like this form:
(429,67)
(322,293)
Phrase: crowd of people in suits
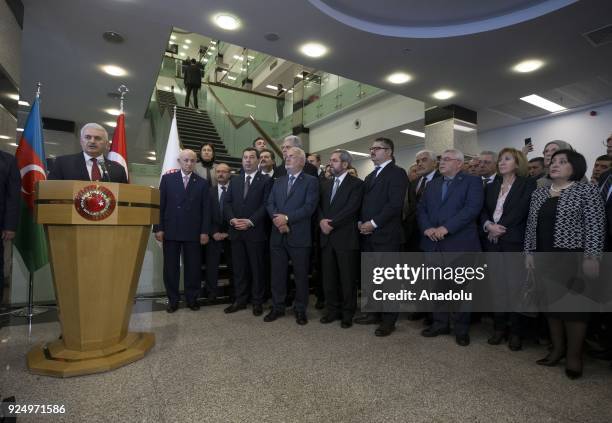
(299,218)
(314,221)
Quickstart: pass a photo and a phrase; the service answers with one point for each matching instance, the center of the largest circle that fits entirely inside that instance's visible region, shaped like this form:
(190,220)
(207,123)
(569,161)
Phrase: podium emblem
(95,202)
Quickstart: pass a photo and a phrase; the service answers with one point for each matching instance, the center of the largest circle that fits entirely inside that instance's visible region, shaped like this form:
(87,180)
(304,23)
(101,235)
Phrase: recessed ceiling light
(173,37)
(213,48)
(209,53)
(463,128)
(226,21)
(399,78)
(113,112)
(182,54)
(233,78)
(111,124)
(415,133)
(185,46)
(251,106)
(19,129)
(114,70)
(153,152)
(443,95)
(188,41)
(299,75)
(357,153)
(167,88)
(13,144)
(23,103)
(251,57)
(271,87)
(528,66)
(13,97)
(543,103)
(313,49)
(4,137)
(152,158)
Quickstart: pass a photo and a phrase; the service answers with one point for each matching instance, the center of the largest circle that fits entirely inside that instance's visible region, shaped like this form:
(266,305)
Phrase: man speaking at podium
(90,165)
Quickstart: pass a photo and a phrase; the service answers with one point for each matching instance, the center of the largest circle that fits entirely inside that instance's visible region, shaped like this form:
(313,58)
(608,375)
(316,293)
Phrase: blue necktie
(445,185)
(291,179)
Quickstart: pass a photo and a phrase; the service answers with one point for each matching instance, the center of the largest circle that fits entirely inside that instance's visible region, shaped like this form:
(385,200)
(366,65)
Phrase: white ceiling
(63,46)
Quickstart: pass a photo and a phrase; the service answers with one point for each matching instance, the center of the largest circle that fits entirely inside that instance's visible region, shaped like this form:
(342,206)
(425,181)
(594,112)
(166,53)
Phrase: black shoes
(257,309)
(328,319)
(573,374)
(384,330)
(273,315)
(497,338)
(172,308)
(346,323)
(368,319)
(300,318)
(234,308)
(430,332)
(550,361)
(515,343)
(462,340)
(193,306)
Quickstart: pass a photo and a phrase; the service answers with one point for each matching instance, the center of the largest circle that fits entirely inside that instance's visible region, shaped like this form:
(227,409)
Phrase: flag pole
(123,90)
(30,311)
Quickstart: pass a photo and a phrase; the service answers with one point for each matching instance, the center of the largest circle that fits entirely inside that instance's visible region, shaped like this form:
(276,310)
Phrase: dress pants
(368,246)
(300,258)
(249,271)
(191,89)
(192,266)
(339,281)
(213,252)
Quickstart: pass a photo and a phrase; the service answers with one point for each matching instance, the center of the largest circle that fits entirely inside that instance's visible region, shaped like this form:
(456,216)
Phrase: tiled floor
(208,366)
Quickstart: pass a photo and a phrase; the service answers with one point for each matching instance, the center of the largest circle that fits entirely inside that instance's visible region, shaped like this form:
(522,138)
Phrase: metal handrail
(244,121)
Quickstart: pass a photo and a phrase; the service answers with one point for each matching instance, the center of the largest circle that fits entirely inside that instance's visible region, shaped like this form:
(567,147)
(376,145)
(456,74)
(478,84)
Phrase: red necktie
(95,170)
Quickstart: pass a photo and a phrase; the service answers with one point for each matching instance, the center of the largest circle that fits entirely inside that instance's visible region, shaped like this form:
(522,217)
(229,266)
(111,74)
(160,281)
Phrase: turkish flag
(118,151)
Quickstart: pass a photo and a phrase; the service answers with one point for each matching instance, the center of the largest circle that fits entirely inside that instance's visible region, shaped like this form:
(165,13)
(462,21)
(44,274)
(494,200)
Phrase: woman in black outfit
(566,217)
(206,167)
(503,219)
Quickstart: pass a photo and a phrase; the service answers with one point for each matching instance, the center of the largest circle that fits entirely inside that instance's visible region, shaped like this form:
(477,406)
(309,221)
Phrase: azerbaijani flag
(30,237)
(118,152)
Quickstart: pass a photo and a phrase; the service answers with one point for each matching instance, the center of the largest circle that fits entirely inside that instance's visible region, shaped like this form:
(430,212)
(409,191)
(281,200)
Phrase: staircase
(195,128)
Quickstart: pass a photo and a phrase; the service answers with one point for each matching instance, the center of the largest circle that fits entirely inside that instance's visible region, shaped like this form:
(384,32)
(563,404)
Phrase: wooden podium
(97,235)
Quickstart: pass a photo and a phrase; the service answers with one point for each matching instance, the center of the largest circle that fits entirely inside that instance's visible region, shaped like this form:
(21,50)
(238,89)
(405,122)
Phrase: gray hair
(345,156)
(489,153)
(457,153)
(294,140)
(430,153)
(94,125)
(300,153)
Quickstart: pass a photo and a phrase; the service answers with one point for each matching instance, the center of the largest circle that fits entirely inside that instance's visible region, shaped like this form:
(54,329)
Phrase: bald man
(184,225)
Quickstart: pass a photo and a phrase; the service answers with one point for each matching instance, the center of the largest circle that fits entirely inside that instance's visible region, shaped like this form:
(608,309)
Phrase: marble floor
(208,366)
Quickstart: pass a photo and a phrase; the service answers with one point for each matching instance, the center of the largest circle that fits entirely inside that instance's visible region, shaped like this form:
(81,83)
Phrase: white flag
(173,148)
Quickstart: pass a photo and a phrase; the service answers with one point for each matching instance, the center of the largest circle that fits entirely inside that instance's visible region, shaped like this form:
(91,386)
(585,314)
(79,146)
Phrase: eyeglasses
(378,148)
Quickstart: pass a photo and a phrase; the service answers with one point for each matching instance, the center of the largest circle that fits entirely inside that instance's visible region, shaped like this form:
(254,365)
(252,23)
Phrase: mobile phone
(527,141)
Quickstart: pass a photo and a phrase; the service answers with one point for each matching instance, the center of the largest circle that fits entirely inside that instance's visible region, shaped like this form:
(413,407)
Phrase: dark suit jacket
(409,214)
(608,208)
(516,207)
(309,169)
(299,206)
(217,221)
(10,188)
(458,213)
(184,213)
(383,201)
(343,211)
(73,167)
(253,207)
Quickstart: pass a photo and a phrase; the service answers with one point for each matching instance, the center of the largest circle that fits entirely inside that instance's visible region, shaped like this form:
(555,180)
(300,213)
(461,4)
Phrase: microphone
(102,165)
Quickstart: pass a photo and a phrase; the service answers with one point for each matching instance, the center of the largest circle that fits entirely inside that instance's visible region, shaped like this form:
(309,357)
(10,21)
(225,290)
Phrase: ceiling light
(399,78)
(114,70)
(13,144)
(213,48)
(357,153)
(209,53)
(313,49)
(272,87)
(251,106)
(153,152)
(205,60)
(290,91)
(463,128)
(299,75)
(182,54)
(4,137)
(113,112)
(185,46)
(232,78)
(528,66)
(13,97)
(111,124)
(152,158)
(23,103)
(213,42)
(226,21)
(188,41)
(251,57)
(543,103)
(443,95)
(415,133)
(173,37)
(19,129)
(167,88)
